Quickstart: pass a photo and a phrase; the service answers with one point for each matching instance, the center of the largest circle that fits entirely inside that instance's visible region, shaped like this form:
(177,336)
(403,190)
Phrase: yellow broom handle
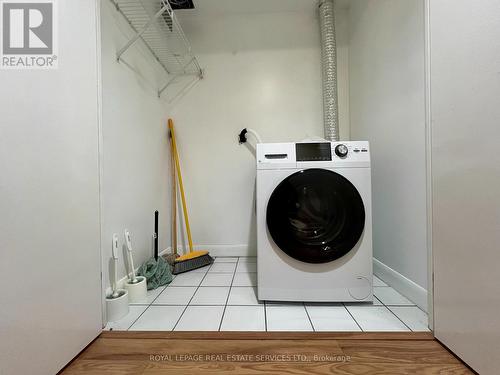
(174,199)
(181,185)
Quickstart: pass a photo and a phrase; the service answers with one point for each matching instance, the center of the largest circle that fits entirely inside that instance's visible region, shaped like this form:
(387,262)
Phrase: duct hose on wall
(329,67)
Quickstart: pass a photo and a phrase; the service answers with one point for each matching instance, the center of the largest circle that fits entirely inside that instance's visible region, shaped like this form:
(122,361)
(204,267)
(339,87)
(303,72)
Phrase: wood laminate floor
(149,353)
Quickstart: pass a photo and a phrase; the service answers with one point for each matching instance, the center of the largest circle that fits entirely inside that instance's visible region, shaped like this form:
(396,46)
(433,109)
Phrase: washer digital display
(313,151)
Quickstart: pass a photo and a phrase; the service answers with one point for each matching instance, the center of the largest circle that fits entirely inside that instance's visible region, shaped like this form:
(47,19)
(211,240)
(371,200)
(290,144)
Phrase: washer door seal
(315,216)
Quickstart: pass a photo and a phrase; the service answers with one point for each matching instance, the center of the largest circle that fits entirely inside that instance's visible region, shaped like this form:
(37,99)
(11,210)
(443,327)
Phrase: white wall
(262,71)
(135,151)
(387,108)
(49,203)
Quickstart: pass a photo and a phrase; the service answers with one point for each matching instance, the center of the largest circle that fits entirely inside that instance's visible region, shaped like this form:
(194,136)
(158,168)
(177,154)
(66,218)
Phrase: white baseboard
(402,284)
(228,250)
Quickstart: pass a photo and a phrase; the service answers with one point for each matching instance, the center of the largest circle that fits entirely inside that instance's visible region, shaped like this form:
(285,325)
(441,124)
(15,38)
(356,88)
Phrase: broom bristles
(192,264)
(192,255)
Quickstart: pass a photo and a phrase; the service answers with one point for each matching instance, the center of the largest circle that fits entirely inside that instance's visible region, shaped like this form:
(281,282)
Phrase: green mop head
(156,272)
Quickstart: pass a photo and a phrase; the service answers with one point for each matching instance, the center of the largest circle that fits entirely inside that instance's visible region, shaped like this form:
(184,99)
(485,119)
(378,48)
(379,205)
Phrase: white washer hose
(255,134)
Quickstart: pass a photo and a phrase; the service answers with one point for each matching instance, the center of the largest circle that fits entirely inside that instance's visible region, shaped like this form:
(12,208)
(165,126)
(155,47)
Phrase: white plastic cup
(117,308)
(137,292)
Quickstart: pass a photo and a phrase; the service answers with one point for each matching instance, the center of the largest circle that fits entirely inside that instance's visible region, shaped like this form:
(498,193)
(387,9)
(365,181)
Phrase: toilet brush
(133,279)
(115,267)
(135,285)
(117,301)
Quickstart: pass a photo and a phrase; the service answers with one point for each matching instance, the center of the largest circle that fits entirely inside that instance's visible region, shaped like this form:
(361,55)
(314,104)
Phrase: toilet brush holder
(137,292)
(117,307)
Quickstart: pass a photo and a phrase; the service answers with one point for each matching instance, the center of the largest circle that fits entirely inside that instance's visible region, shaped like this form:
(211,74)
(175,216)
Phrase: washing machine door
(315,216)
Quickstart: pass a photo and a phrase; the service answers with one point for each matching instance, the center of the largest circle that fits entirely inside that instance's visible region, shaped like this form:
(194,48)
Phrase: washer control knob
(341,150)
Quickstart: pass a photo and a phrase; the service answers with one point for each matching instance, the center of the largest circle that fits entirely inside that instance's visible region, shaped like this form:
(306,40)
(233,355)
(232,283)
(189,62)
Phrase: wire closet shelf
(154,22)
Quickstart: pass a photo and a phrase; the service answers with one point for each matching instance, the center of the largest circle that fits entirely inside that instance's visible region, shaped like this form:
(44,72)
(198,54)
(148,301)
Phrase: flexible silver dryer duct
(329,65)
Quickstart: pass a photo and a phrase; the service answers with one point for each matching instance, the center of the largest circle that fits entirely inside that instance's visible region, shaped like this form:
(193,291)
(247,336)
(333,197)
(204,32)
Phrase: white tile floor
(222,297)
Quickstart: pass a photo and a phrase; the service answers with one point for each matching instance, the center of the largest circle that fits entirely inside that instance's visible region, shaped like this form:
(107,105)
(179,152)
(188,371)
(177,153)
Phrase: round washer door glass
(315,216)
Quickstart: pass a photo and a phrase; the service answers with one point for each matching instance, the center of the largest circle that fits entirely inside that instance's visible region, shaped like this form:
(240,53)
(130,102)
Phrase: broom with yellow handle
(193,259)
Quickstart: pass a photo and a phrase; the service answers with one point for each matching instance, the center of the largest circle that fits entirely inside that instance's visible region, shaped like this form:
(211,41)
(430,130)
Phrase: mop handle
(181,185)
(156,235)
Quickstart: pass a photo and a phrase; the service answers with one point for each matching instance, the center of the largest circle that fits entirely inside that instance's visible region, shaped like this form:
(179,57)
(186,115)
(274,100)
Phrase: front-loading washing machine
(314,225)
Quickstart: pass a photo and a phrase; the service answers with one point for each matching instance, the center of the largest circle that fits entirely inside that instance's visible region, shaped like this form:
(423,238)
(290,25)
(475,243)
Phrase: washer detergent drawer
(276,155)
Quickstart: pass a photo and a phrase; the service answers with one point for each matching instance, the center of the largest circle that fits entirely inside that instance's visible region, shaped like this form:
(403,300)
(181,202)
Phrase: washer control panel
(314,154)
(351,150)
(329,151)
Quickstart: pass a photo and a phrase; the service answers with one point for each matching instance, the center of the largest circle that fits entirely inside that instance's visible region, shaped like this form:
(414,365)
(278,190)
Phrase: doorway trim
(428,161)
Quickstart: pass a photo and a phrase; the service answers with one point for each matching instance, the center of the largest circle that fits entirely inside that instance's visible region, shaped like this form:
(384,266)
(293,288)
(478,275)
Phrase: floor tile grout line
(141,314)
(147,307)
(402,295)
(214,286)
(353,318)
(250,285)
(227,299)
(309,317)
(397,304)
(396,315)
(426,314)
(209,286)
(238,286)
(412,304)
(204,304)
(392,312)
(383,281)
(409,306)
(165,287)
(185,308)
